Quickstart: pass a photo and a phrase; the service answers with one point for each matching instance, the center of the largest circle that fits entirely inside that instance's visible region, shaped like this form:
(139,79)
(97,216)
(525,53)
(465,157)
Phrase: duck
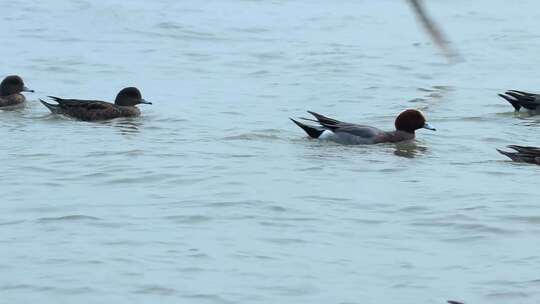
(125,105)
(523,154)
(406,123)
(10,91)
(520,99)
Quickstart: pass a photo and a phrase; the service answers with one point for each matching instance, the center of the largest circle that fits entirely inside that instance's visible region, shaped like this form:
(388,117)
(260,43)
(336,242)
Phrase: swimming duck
(520,99)
(523,154)
(406,124)
(10,91)
(92,110)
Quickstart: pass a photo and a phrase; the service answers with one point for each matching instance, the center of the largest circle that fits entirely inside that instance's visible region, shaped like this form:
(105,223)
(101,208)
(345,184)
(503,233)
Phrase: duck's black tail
(524,154)
(52,107)
(512,101)
(512,155)
(312,131)
(520,99)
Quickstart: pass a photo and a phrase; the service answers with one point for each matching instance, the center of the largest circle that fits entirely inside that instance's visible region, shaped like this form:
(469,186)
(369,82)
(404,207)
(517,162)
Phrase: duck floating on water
(520,99)
(523,154)
(406,124)
(125,105)
(10,91)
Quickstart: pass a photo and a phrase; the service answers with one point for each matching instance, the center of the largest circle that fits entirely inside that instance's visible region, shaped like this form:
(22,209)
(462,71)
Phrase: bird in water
(10,91)
(328,128)
(523,154)
(520,99)
(125,105)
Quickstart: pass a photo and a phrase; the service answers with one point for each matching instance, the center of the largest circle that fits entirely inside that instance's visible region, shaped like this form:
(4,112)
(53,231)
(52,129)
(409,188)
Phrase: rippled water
(213,196)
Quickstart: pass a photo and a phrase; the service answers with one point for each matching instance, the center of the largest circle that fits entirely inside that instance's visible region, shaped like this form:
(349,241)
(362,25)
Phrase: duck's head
(13,84)
(130,96)
(411,120)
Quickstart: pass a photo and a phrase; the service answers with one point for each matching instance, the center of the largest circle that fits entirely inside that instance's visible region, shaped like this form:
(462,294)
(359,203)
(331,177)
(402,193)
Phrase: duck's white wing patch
(327,135)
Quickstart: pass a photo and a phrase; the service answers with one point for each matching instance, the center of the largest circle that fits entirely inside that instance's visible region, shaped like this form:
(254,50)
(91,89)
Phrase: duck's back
(88,109)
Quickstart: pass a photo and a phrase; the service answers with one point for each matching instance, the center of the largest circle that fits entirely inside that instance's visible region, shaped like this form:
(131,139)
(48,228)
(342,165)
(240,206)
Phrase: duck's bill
(26,89)
(429,127)
(143,101)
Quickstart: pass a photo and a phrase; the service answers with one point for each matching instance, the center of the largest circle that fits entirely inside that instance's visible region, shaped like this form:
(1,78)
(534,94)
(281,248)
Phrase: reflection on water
(529,120)
(14,108)
(433,95)
(409,149)
(126,125)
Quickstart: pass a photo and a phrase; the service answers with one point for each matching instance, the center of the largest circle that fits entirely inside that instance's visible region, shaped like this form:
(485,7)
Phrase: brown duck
(10,91)
(125,105)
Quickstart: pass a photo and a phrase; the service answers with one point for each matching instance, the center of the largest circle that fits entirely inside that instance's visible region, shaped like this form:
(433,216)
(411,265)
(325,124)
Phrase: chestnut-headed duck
(10,91)
(125,105)
(523,154)
(406,124)
(520,99)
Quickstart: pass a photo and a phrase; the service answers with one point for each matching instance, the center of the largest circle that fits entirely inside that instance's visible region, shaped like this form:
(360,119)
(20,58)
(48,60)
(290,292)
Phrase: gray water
(214,196)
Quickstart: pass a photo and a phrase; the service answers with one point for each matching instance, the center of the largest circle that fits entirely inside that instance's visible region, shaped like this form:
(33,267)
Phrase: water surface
(214,196)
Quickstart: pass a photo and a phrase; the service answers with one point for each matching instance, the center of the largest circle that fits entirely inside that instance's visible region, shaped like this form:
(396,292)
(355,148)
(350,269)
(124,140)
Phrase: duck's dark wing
(357,130)
(64,102)
(526,149)
(84,109)
(523,154)
(519,99)
(337,126)
(324,120)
